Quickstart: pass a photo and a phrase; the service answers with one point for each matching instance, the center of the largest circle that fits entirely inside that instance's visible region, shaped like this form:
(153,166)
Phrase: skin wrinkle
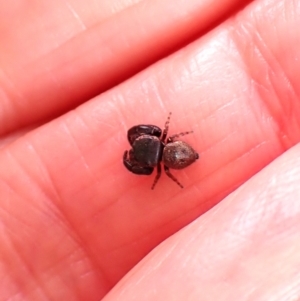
(179,15)
(248,152)
(145,236)
(278,265)
(45,194)
(225,105)
(290,293)
(160,261)
(23,169)
(15,249)
(191,209)
(237,157)
(108,204)
(269,60)
(17,287)
(7,140)
(50,271)
(7,87)
(11,190)
(252,80)
(118,98)
(285,10)
(218,142)
(31,275)
(149,271)
(295,9)
(122,5)
(265,48)
(159,97)
(214,110)
(212,197)
(132,185)
(109,201)
(68,226)
(81,157)
(178,217)
(65,256)
(72,230)
(112,202)
(110,129)
(210,114)
(266,213)
(54,195)
(76,16)
(138,239)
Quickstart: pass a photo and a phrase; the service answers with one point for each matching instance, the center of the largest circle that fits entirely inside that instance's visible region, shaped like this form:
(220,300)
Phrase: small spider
(150,148)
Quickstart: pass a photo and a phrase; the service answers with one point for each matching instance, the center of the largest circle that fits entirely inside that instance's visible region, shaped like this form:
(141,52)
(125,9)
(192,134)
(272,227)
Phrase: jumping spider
(150,148)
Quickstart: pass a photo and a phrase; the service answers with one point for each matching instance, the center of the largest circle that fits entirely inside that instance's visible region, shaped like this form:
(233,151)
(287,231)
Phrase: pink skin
(74,221)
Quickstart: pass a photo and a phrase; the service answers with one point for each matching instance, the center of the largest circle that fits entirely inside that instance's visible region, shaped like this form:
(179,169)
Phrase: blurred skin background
(75,76)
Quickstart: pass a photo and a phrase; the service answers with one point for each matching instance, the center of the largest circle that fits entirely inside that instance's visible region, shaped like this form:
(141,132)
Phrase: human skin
(74,221)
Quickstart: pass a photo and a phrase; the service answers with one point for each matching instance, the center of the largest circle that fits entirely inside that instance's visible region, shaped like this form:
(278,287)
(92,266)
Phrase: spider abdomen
(178,155)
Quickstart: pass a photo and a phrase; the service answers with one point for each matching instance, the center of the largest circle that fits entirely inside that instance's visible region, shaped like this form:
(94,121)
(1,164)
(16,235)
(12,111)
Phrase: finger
(93,55)
(247,248)
(40,27)
(71,169)
(29,34)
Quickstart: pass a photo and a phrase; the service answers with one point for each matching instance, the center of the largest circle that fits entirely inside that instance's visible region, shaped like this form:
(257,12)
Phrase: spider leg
(173,137)
(157,175)
(165,132)
(167,170)
(132,165)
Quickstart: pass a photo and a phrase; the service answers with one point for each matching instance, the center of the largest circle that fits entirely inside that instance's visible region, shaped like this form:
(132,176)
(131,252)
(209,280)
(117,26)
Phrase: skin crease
(256,239)
(74,221)
(103,57)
